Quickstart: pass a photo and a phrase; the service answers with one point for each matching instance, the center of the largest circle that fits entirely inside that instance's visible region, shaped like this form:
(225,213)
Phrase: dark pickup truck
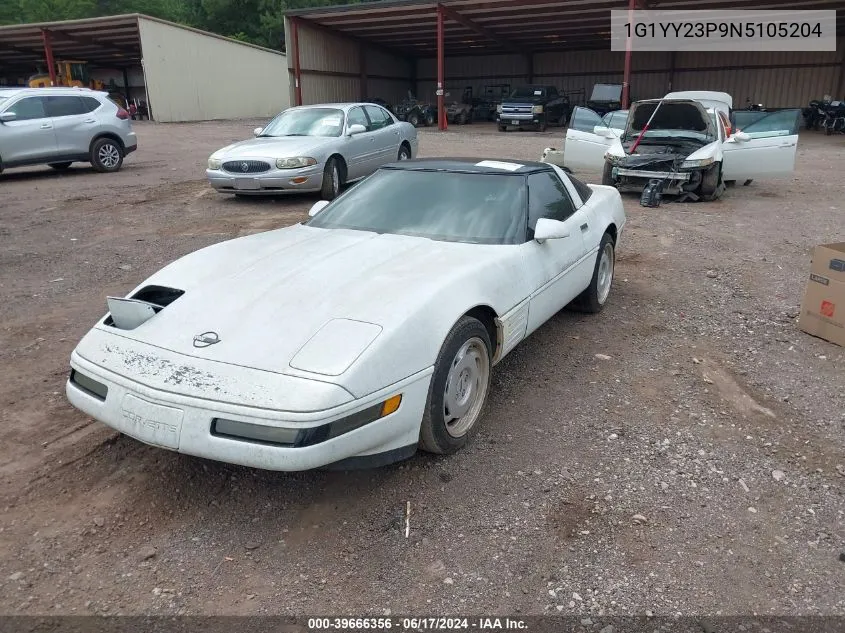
(534,106)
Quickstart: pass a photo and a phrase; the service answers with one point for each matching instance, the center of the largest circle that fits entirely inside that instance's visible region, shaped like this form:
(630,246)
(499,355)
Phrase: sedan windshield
(473,208)
(306,122)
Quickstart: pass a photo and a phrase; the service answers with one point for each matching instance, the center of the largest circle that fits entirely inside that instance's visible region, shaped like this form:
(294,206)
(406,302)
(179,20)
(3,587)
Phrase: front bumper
(185,424)
(520,119)
(274,181)
(681,176)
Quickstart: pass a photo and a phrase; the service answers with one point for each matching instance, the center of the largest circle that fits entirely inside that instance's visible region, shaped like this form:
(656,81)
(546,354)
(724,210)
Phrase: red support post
(297,73)
(626,79)
(441,106)
(48,53)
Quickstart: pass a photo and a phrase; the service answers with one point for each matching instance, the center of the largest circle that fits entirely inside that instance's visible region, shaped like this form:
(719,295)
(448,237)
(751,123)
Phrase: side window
(356,116)
(581,187)
(28,109)
(547,198)
(378,117)
(778,123)
(89,104)
(584,120)
(64,106)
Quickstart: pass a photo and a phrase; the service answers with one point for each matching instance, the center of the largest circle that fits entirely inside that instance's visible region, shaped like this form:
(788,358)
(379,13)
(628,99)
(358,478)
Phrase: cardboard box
(823,309)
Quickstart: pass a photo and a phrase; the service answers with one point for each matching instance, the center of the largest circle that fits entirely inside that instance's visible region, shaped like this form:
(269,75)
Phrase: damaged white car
(682,144)
(362,333)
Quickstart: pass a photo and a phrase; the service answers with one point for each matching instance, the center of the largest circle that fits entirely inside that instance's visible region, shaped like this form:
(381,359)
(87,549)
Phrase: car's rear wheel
(61,166)
(106,155)
(332,180)
(595,296)
(459,388)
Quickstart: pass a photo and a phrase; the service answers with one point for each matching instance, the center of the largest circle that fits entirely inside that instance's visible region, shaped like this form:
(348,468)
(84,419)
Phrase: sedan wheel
(459,388)
(332,180)
(404,153)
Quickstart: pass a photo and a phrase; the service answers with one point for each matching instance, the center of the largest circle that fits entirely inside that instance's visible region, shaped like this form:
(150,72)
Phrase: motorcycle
(834,118)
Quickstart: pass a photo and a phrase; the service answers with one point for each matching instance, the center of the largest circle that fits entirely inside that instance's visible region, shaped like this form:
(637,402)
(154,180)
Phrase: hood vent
(127,313)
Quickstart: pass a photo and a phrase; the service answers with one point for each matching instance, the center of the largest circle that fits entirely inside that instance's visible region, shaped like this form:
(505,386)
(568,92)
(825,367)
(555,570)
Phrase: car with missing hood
(359,335)
(313,148)
(686,146)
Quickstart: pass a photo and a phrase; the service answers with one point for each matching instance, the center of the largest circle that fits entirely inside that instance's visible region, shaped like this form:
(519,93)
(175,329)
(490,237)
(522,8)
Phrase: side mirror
(355,128)
(318,206)
(258,131)
(740,136)
(8,116)
(548,229)
(601,130)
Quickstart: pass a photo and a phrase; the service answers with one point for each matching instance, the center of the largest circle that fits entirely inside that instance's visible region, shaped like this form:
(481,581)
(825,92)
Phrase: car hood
(267,295)
(275,147)
(524,100)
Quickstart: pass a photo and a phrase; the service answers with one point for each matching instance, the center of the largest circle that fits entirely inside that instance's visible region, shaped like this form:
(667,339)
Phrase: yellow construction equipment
(70,73)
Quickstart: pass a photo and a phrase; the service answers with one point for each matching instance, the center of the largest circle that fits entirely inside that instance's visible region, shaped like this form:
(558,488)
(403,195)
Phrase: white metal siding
(192,76)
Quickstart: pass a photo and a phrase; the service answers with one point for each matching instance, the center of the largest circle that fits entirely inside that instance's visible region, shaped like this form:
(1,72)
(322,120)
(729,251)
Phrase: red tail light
(122,114)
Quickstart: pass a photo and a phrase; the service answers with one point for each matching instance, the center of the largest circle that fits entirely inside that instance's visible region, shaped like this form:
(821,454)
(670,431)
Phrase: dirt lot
(714,418)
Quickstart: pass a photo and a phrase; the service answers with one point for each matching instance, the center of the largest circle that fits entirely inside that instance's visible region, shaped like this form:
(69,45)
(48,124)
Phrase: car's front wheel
(332,180)
(595,296)
(459,388)
(404,153)
(607,175)
(106,155)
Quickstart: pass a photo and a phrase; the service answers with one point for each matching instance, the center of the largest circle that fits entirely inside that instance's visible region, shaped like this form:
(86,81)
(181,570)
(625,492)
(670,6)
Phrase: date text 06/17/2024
(408,624)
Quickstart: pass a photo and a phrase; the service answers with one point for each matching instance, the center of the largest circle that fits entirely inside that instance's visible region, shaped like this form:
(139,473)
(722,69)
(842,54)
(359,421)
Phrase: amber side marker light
(390,405)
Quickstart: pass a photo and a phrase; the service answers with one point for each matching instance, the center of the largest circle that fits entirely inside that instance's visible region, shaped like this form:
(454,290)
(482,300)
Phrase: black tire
(332,180)
(61,166)
(591,300)
(435,436)
(711,183)
(404,153)
(607,175)
(429,119)
(503,128)
(541,126)
(414,119)
(462,118)
(106,155)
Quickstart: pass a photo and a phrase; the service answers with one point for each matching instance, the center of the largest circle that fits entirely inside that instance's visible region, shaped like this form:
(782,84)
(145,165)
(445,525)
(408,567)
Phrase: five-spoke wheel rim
(109,156)
(466,387)
(605,276)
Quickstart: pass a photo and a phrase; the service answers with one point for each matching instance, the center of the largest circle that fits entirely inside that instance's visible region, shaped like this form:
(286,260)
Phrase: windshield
(306,122)
(606,92)
(671,120)
(445,206)
(529,91)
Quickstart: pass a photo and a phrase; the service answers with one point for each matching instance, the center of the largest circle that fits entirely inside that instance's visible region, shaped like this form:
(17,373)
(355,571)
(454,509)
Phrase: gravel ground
(695,466)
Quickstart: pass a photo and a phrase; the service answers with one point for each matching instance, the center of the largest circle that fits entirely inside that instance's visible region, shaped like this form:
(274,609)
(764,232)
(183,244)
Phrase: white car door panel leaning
(584,149)
(764,148)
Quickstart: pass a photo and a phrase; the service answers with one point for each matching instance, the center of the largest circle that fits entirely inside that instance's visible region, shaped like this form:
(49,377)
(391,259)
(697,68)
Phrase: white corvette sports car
(363,333)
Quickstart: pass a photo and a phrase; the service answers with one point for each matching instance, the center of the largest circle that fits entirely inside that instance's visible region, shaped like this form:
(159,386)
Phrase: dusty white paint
(196,76)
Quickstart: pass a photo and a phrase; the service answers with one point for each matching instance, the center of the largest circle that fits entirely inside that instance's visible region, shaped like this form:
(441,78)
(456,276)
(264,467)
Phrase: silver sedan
(313,148)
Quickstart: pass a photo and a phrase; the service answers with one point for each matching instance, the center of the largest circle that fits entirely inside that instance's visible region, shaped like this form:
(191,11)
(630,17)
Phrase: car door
(386,135)
(584,149)
(360,149)
(764,148)
(554,264)
(29,138)
(74,123)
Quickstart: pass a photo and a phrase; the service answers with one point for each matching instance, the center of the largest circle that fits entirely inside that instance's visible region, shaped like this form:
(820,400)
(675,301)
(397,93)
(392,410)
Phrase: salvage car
(533,106)
(360,335)
(685,147)
(313,148)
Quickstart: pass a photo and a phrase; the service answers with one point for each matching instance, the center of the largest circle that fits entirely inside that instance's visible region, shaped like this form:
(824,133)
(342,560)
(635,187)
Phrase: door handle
(46,126)
(90,120)
(584,228)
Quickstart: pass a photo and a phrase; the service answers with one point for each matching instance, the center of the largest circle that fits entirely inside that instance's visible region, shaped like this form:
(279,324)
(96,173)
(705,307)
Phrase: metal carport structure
(532,40)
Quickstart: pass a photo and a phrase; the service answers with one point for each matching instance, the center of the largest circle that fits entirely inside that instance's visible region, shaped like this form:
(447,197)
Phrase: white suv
(60,126)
